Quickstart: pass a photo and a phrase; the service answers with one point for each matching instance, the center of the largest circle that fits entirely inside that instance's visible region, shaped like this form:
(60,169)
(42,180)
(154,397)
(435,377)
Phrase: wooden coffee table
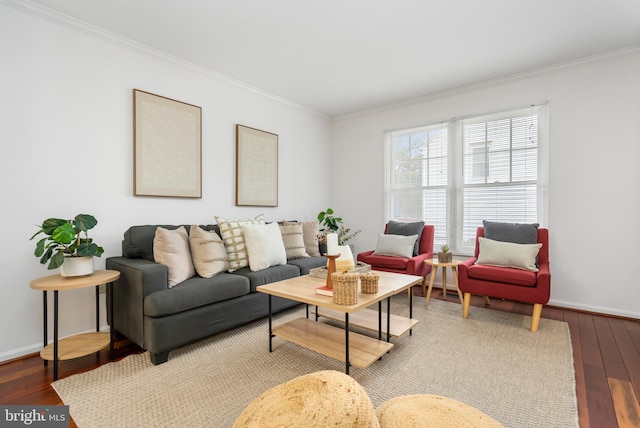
(351,348)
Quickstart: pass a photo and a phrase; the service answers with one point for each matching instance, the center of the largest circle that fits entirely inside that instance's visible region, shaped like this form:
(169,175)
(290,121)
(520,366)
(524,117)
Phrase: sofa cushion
(508,254)
(264,245)
(407,229)
(308,263)
(269,275)
(231,233)
(502,274)
(395,245)
(397,263)
(138,240)
(207,252)
(517,233)
(293,240)
(171,248)
(195,292)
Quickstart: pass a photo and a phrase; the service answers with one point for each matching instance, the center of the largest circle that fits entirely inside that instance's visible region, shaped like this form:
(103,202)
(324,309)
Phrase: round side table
(81,344)
(444,265)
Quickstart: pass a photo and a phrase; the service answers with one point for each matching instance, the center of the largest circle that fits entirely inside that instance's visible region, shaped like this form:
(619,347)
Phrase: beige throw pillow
(171,248)
(310,233)
(231,232)
(264,246)
(508,254)
(207,252)
(293,241)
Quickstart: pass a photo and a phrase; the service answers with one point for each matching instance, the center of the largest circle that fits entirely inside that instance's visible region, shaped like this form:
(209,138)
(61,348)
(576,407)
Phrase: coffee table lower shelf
(368,319)
(330,341)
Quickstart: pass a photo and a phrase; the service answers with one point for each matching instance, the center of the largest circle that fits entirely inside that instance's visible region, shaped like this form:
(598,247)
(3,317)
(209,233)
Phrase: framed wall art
(167,141)
(256,167)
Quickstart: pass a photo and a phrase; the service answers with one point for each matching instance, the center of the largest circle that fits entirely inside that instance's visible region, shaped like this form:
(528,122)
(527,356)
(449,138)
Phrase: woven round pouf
(425,410)
(322,399)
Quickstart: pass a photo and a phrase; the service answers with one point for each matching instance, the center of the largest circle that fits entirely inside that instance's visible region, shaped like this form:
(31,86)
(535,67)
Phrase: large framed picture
(256,167)
(167,141)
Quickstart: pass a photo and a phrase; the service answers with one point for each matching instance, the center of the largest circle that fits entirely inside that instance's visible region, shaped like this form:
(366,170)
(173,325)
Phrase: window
(456,174)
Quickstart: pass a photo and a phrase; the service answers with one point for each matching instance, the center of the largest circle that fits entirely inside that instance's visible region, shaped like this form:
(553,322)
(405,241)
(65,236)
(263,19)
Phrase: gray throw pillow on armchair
(511,232)
(407,229)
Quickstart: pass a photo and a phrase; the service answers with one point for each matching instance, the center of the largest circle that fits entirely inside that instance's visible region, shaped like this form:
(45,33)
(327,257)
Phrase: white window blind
(456,174)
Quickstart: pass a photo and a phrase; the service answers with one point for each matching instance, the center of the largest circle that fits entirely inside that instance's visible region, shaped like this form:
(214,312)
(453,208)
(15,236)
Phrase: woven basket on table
(345,288)
(369,282)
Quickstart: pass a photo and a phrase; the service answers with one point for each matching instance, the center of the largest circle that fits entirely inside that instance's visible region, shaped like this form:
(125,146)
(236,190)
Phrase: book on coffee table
(324,290)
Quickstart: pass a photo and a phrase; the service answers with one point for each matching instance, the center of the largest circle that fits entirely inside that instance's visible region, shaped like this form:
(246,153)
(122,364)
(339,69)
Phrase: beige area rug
(490,361)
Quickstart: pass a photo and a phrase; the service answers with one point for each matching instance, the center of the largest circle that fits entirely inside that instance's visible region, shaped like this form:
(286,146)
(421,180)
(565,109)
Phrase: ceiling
(341,56)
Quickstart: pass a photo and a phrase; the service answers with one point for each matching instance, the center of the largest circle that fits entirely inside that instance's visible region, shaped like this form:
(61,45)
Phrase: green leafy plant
(445,248)
(66,238)
(332,224)
(329,221)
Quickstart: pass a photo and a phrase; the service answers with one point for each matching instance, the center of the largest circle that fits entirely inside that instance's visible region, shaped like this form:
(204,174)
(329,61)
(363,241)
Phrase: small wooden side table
(81,344)
(444,265)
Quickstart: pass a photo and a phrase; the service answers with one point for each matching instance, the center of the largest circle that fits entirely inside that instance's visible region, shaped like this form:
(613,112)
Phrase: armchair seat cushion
(503,274)
(388,262)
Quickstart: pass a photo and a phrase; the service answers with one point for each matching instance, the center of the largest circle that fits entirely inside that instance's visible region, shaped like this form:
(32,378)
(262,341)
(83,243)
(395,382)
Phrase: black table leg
(270,327)
(346,341)
(379,319)
(97,308)
(389,319)
(112,330)
(44,317)
(55,335)
(411,310)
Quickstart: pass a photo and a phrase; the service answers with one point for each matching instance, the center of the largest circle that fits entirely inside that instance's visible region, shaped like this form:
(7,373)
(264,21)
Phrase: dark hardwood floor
(606,355)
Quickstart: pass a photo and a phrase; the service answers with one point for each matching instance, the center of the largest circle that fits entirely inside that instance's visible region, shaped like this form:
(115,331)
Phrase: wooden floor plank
(571,318)
(626,404)
(629,352)
(613,365)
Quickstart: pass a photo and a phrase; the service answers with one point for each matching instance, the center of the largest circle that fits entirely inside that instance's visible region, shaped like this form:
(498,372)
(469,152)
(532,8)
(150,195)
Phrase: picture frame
(256,167)
(167,147)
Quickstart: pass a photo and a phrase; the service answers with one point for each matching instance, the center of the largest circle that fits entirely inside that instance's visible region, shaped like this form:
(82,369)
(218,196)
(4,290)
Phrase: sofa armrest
(138,279)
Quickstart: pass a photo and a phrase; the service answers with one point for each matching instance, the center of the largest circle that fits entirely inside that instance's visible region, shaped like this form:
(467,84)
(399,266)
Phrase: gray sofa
(160,319)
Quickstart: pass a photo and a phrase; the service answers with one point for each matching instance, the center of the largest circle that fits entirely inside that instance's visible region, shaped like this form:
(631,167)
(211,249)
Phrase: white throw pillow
(293,241)
(231,232)
(264,246)
(207,252)
(171,248)
(395,245)
(508,254)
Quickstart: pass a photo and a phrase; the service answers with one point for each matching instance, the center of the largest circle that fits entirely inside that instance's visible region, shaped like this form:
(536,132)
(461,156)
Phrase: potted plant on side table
(67,245)
(445,256)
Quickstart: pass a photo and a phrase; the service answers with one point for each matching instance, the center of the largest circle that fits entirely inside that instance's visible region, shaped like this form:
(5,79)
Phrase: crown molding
(50,15)
(617,53)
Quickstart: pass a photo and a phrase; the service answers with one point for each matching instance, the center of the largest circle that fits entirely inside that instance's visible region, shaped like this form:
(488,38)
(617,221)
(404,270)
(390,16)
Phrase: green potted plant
(67,245)
(445,256)
(333,224)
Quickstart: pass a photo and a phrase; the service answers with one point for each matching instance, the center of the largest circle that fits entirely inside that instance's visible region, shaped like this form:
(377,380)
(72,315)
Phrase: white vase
(345,262)
(77,266)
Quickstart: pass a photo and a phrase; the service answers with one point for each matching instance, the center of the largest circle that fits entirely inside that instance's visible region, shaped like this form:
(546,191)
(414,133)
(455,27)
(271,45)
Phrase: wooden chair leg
(487,301)
(465,305)
(535,320)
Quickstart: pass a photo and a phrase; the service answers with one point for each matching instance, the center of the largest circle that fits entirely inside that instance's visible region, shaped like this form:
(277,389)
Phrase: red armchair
(410,266)
(508,283)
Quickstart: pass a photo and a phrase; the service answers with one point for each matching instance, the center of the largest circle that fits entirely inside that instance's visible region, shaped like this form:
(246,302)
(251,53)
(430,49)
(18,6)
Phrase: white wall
(594,176)
(67,147)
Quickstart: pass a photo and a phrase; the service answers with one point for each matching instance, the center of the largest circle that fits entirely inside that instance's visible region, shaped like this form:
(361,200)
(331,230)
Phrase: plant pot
(76,266)
(445,257)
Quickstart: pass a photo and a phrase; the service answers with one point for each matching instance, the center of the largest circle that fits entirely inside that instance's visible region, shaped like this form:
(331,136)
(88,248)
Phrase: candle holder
(331,268)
